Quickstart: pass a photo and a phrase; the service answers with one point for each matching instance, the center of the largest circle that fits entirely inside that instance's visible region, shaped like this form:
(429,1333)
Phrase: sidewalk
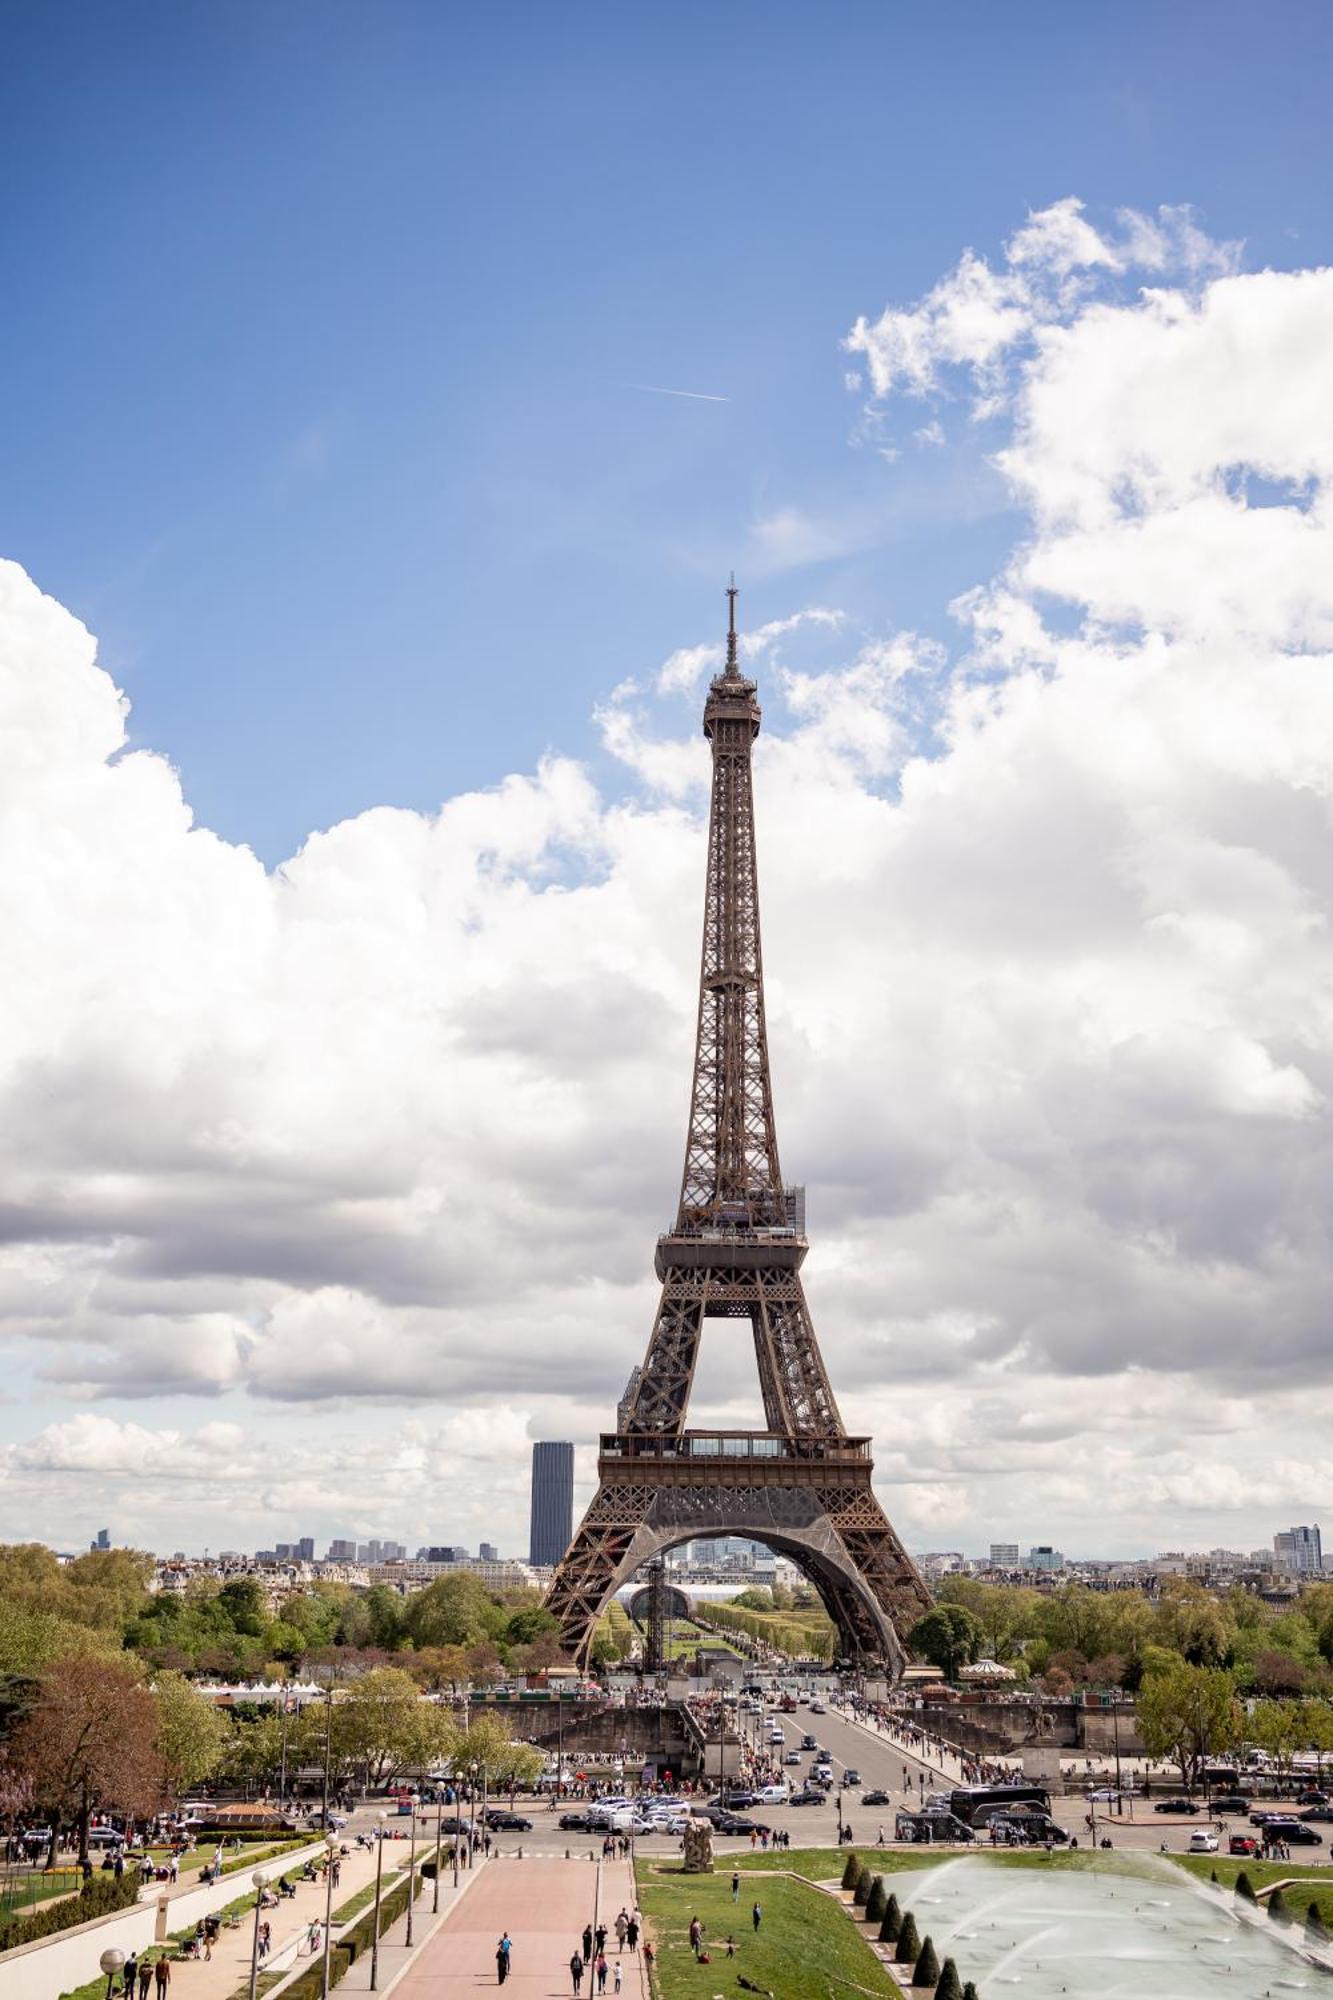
(544,1906)
(219,1977)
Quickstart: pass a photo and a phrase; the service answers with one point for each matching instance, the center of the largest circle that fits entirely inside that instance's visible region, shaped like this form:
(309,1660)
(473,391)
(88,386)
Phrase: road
(882,1763)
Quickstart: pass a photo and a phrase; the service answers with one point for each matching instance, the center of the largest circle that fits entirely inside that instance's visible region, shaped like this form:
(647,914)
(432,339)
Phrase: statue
(698,1847)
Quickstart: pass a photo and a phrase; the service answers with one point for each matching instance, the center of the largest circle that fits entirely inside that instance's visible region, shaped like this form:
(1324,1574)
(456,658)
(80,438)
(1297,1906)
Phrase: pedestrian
(602,1970)
(648,1959)
(587,1944)
(502,1951)
(632,1933)
(576,1968)
(162,1975)
(735,1884)
(757,1915)
(622,1925)
(600,1935)
(696,1935)
(145,1978)
(129,1976)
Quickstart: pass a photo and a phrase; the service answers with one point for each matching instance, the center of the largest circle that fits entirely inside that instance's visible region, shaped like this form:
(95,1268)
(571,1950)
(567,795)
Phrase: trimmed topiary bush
(1245,1888)
(875,1901)
(851,1871)
(865,1882)
(926,1971)
(970,1991)
(909,1941)
(950,1986)
(1316,1930)
(891,1922)
(1278,1908)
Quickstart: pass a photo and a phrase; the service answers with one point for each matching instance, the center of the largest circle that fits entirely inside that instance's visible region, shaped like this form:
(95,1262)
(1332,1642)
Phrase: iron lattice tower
(802,1486)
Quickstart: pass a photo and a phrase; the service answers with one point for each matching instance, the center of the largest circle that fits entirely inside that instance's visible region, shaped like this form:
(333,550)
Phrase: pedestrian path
(544,1906)
(290,1919)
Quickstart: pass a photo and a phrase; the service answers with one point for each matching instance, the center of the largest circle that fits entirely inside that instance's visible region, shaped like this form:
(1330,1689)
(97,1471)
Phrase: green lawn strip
(825,1864)
(262,1854)
(24,1892)
(805,1948)
(1299,1888)
(363,1898)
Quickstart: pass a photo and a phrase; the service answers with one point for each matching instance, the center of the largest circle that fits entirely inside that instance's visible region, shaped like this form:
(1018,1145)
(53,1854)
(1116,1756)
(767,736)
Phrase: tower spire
(733,663)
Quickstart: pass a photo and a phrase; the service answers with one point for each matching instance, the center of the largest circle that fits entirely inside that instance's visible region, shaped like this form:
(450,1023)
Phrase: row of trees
(95,1735)
(1075,1636)
(454,1630)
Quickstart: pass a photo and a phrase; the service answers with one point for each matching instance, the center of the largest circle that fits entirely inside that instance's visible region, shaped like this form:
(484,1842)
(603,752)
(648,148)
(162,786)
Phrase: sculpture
(698,1847)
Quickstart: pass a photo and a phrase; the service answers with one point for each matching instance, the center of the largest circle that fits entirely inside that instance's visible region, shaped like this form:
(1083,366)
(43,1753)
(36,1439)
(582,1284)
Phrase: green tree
(864,1883)
(926,1971)
(851,1868)
(455,1610)
(876,1901)
(949,1636)
(950,1986)
(383,1725)
(89,1743)
(891,1922)
(908,1943)
(191,1734)
(1188,1713)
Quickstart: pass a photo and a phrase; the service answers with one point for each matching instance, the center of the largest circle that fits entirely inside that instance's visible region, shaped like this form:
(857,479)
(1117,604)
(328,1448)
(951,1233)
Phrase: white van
(772,1795)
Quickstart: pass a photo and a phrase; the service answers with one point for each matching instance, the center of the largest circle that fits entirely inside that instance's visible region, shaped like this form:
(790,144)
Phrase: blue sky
(332,369)
(321,319)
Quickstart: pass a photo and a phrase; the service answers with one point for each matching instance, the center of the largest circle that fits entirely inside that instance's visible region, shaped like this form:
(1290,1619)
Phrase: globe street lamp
(111,1962)
(375,1921)
(412,1874)
(331,1845)
(260,1880)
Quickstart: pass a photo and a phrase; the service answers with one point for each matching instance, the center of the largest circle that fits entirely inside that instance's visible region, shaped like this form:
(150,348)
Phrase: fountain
(1099,1933)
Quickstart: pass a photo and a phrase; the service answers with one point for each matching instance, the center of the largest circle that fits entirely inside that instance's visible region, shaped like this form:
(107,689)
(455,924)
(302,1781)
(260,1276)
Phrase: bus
(978,1805)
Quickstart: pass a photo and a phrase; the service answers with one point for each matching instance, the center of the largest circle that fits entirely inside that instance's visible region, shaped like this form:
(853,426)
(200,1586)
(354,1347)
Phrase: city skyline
(351,892)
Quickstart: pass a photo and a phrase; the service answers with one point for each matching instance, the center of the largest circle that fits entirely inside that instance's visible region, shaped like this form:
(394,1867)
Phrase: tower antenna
(733,665)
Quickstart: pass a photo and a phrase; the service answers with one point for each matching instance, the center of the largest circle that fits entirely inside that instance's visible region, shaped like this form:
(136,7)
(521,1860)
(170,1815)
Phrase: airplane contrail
(694,395)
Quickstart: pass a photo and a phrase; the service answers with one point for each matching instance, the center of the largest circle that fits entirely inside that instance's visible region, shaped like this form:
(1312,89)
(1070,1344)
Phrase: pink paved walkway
(544,1906)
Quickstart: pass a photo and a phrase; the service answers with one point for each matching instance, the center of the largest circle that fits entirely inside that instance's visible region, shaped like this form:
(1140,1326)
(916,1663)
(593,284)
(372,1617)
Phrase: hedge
(348,1948)
(97,1898)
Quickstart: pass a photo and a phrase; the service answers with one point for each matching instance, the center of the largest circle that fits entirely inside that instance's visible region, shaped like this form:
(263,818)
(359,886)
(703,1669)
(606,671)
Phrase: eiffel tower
(802,1486)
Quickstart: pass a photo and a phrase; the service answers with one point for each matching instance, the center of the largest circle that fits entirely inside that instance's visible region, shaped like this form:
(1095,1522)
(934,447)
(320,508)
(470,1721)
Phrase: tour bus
(977,1805)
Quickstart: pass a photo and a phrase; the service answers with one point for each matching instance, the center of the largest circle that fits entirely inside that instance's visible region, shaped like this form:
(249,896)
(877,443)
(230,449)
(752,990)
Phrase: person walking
(129,1977)
(616,1984)
(502,1951)
(735,1884)
(757,1915)
(162,1976)
(576,1968)
(696,1935)
(622,1925)
(145,1978)
(632,1933)
(587,1944)
(602,1970)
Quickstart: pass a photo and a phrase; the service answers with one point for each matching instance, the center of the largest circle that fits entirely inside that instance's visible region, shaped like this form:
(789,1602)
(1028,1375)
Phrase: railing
(730,1444)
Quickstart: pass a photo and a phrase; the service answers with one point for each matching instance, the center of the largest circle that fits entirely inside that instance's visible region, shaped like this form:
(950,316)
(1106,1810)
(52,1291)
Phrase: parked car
(1035,1828)
(1324,1813)
(1260,1815)
(772,1795)
(575,1822)
(1231,1802)
(1203,1841)
(1295,1832)
(105,1836)
(1176,1806)
(1242,1843)
(733,1801)
(1313,1797)
(1105,1795)
(876,1798)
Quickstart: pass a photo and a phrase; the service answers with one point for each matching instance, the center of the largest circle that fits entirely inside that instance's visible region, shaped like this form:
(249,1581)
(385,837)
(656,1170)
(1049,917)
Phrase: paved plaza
(544,1905)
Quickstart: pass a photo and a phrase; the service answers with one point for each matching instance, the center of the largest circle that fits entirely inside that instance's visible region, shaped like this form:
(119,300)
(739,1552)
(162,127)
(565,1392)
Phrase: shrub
(1245,1888)
(97,1898)
(876,1901)
(926,1971)
(970,1991)
(891,1922)
(909,1943)
(950,1986)
(1316,1930)
(864,1883)
(357,1939)
(1278,1909)
(851,1871)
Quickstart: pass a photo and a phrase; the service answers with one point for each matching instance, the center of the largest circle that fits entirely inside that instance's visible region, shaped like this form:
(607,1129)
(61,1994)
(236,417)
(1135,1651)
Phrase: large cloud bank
(1051,989)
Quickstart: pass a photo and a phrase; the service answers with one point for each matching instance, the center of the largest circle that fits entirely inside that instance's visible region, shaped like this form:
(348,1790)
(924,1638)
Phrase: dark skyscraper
(552,1521)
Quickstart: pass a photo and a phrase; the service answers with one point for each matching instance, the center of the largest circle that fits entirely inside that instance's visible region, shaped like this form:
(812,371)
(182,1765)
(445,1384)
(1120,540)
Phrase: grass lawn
(24,1890)
(825,1864)
(805,1949)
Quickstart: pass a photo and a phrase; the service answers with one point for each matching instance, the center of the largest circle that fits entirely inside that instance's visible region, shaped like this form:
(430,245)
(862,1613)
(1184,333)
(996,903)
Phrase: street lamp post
(260,1880)
(375,1920)
(412,1874)
(439,1844)
(331,1845)
(111,1962)
(840,1815)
